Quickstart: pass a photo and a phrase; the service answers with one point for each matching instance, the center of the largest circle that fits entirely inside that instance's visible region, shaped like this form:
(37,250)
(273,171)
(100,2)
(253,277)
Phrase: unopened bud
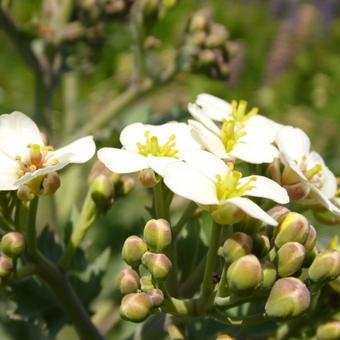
(156,296)
(310,242)
(128,281)
(125,185)
(261,245)
(245,274)
(135,307)
(294,227)
(329,331)
(6,266)
(157,234)
(325,267)
(227,214)
(198,38)
(289,176)
(148,178)
(158,264)
(133,249)
(206,58)
(199,22)
(217,37)
(290,258)
(51,183)
(278,212)
(12,244)
(288,298)
(24,193)
(101,191)
(297,191)
(99,169)
(237,245)
(269,275)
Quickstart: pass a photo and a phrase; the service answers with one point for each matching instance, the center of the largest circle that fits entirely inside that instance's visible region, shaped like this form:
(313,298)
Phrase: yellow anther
(230,165)
(315,170)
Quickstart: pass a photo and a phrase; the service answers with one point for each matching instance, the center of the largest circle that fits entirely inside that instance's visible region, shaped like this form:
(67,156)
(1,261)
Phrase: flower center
(228,186)
(230,133)
(314,173)
(239,111)
(152,146)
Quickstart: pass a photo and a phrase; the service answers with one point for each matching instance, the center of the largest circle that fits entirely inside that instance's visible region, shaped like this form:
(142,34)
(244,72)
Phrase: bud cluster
(148,267)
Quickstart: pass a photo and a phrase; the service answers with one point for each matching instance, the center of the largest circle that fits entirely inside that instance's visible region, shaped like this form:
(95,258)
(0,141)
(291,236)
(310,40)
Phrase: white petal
(293,143)
(133,134)
(17,131)
(255,153)
(206,163)
(214,107)
(8,171)
(266,188)
(185,181)
(199,115)
(259,128)
(122,161)
(329,186)
(208,139)
(251,209)
(325,201)
(80,151)
(159,164)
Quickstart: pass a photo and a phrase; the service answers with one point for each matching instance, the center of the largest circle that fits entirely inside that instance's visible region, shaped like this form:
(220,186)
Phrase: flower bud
(12,244)
(157,234)
(6,266)
(217,37)
(269,275)
(135,307)
(102,190)
(261,245)
(310,242)
(278,212)
(274,170)
(148,178)
(289,176)
(227,214)
(133,249)
(329,331)
(325,267)
(237,245)
(50,183)
(24,193)
(288,298)
(158,264)
(206,58)
(245,274)
(290,258)
(156,296)
(127,184)
(294,227)
(199,22)
(128,281)
(297,191)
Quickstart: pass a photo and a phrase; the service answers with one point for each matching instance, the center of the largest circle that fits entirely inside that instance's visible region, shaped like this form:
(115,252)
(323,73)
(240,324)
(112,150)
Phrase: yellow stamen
(315,170)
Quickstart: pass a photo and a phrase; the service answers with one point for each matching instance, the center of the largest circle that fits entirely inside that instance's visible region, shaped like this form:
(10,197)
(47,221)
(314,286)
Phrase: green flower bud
(6,266)
(50,183)
(310,242)
(156,296)
(158,264)
(329,331)
(133,249)
(199,22)
(325,267)
(227,214)
(135,307)
(146,280)
(148,178)
(288,298)
(24,193)
(237,245)
(269,275)
(128,281)
(294,227)
(102,191)
(198,38)
(261,245)
(290,258)
(127,184)
(206,58)
(157,234)
(245,274)
(12,244)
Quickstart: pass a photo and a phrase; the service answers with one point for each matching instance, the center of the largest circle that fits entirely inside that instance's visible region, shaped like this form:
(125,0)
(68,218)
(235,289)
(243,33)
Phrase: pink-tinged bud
(294,227)
(269,275)
(325,267)
(290,258)
(288,299)
(156,296)
(135,307)
(158,264)
(278,212)
(6,266)
(237,245)
(100,169)
(297,191)
(12,244)
(50,183)
(148,178)
(128,281)
(245,274)
(329,331)
(227,214)
(310,242)
(133,249)
(217,37)
(24,193)
(207,58)
(157,234)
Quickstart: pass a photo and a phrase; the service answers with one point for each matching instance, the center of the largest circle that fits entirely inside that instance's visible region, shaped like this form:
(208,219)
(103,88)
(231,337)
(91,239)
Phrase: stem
(178,307)
(188,212)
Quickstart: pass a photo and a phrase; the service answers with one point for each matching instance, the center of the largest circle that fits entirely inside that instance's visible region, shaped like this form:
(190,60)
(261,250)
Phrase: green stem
(187,214)
(178,307)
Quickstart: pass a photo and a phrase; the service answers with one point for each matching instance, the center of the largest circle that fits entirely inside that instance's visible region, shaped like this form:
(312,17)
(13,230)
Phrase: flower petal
(266,188)
(200,116)
(326,202)
(329,186)
(251,209)
(8,171)
(261,129)
(255,153)
(214,107)
(159,164)
(185,181)
(17,131)
(122,161)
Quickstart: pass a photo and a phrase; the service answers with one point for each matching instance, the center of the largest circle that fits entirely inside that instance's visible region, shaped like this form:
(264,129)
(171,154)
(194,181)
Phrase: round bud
(217,37)
(198,22)
(269,275)
(290,258)
(310,242)
(245,274)
(133,249)
(127,184)
(51,183)
(325,267)
(135,307)
(297,191)
(278,212)
(128,281)
(261,245)
(156,296)
(237,245)
(206,57)
(158,264)
(148,178)
(294,227)
(329,331)
(12,244)
(25,193)
(101,190)
(227,214)
(288,298)
(157,234)
(6,266)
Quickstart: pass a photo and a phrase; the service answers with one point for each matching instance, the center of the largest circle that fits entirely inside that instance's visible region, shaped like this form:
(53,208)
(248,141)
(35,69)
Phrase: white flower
(307,167)
(24,155)
(208,181)
(228,131)
(148,146)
